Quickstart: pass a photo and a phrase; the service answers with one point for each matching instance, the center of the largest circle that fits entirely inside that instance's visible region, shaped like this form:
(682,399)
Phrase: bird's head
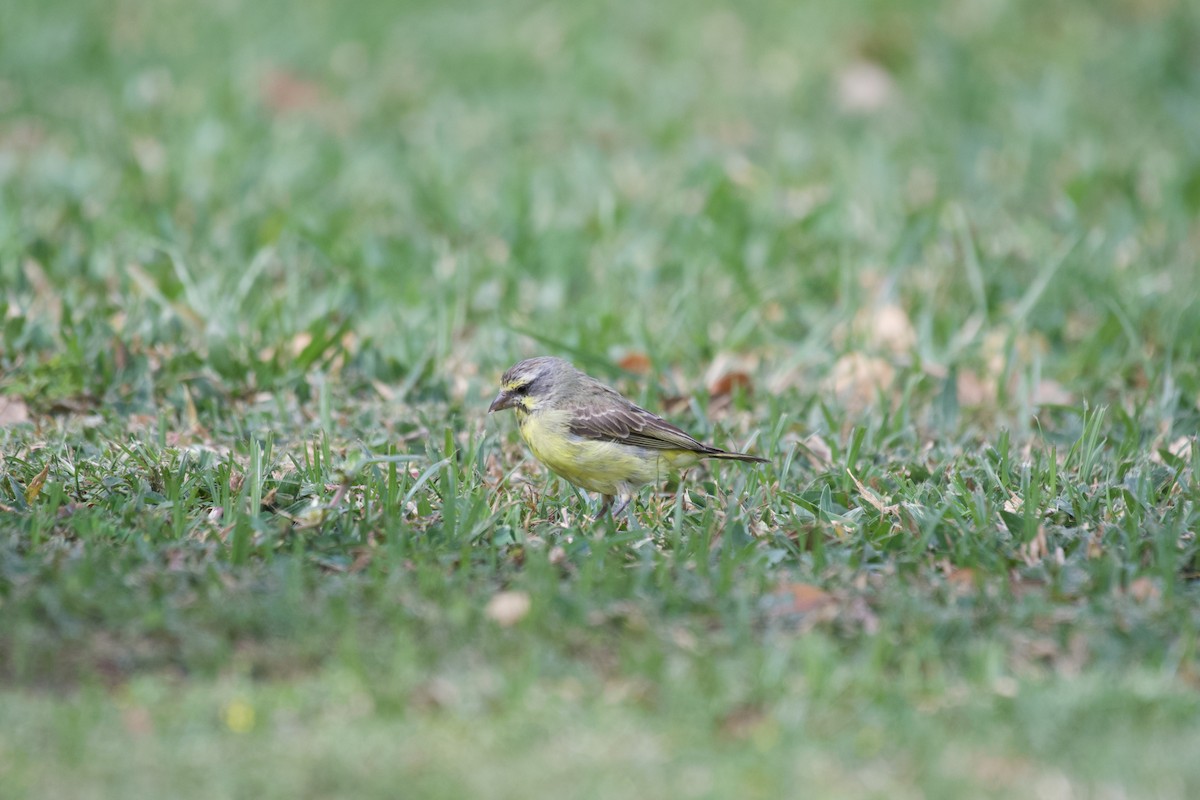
(531,382)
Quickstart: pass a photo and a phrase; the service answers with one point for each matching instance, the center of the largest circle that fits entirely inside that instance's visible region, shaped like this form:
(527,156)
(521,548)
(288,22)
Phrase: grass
(263,264)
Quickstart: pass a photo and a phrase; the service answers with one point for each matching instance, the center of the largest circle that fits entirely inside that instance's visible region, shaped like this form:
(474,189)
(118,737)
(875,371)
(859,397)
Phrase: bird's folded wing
(632,426)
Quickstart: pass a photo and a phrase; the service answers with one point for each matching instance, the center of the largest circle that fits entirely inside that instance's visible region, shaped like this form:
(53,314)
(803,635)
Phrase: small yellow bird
(590,435)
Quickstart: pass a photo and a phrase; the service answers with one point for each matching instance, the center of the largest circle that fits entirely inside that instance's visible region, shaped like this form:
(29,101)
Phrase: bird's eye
(523,389)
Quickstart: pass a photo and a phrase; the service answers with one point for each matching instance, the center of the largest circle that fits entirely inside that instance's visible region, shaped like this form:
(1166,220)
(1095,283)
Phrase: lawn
(263,263)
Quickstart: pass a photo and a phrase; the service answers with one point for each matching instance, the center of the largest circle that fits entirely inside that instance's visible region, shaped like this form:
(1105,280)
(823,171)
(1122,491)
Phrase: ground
(263,264)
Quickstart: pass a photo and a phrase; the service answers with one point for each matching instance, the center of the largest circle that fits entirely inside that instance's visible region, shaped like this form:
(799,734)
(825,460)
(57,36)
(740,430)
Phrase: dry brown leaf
(961,579)
(362,557)
(675,404)
(1051,393)
(1036,549)
(973,390)
(636,362)
(877,502)
(819,453)
(799,598)
(282,91)
(724,385)
(193,416)
(13,411)
(508,608)
(1143,589)
(729,370)
(857,379)
(35,486)
(1180,448)
(1095,544)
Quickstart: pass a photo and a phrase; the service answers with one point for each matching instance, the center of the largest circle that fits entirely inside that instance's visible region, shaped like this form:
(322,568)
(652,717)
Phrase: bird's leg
(625,501)
(605,505)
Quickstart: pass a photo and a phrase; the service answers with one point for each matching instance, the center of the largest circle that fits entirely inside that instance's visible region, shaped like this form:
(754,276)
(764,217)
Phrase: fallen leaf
(1051,393)
(675,404)
(1095,544)
(635,362)
(972,390)
(284,91)
(858,379)
(508,608)
(799,598)
(1182,447)
(35,486)
(1035,549)
(299,342)
(729,370)
(193,416)
(819,453)
(362,557)
(13,411)
(724,385)
(877,502)
(1143,589)
(961,579)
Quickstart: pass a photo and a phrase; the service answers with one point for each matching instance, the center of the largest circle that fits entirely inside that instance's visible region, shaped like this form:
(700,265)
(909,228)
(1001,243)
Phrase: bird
(589,434)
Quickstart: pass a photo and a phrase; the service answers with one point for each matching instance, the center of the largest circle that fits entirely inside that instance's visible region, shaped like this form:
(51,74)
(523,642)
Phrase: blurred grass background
(218,179)
(944,254)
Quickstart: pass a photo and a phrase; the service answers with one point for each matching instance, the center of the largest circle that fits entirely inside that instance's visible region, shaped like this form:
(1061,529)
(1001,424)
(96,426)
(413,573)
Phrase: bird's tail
(715,453)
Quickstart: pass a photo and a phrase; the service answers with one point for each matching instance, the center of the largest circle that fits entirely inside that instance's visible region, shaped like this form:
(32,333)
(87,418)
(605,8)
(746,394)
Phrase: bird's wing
(631,425)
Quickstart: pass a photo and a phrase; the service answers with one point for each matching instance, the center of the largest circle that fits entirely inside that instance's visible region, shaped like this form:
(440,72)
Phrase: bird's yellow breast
(605,467)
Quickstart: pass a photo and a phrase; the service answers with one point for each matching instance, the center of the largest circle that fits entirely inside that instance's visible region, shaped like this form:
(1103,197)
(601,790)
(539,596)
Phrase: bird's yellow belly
(605,467)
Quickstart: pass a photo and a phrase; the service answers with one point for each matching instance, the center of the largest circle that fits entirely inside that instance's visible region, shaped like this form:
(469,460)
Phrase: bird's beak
(502,401)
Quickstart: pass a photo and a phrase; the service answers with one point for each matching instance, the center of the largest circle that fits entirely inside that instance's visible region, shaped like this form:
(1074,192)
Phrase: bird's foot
(606,506)
(624,504)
